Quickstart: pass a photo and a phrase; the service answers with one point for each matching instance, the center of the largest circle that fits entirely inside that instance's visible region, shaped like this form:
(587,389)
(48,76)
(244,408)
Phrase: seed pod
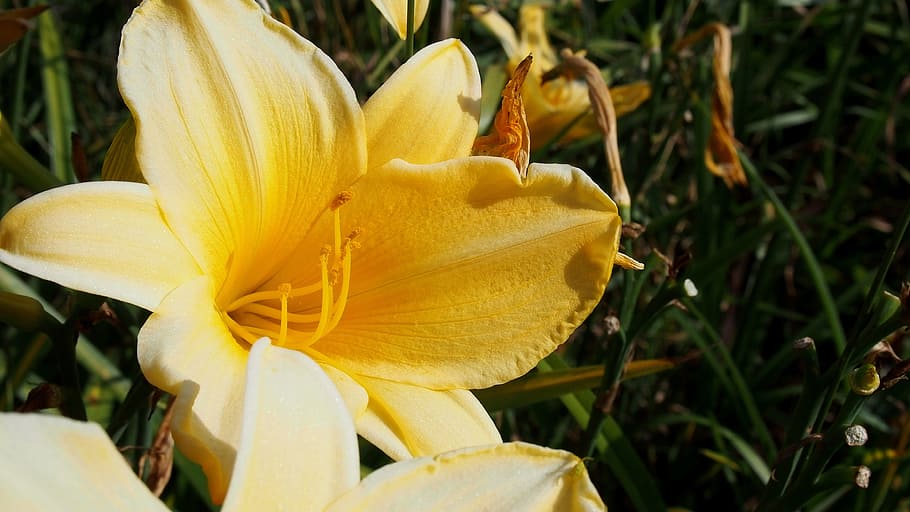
(864,380)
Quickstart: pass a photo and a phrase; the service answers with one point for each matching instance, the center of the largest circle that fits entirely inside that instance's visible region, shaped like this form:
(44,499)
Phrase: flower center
(319,305)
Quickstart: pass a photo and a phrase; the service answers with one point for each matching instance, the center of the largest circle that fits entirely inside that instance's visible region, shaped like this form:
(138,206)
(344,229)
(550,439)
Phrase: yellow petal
(355,397)
(102,238)
(53,463)
(500,28)
(298,447)
(245,131)
(396,13)
(185,343)
(409,421)
(629,97)
(534,38)
(467,275)
(428,110)
(120,162)
(512,476)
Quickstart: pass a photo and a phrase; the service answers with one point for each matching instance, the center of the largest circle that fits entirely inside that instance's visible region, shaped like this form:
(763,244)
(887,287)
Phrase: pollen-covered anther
(342,198)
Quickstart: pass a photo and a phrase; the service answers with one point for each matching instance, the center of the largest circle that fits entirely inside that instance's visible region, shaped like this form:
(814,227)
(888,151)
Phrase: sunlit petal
(423,421)
(53,463)
(185,343)
(298,448)
(353,394)
(396,13)
(246,131)
(82,236)
(512,476)
(466,275)
(428,110)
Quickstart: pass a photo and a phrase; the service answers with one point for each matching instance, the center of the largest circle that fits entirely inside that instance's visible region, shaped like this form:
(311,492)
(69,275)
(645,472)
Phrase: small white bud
(689,288)
(863,475)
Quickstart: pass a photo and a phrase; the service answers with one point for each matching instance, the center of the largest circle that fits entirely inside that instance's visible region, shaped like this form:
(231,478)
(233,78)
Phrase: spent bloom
(721,157)
(366,239)
(49,463)
(557,104)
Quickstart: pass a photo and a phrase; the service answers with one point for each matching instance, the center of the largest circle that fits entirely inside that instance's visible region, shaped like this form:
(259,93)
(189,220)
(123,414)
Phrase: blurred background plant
(768,319)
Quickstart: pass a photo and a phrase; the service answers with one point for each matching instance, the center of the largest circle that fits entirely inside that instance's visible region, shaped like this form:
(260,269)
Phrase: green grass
(810,248)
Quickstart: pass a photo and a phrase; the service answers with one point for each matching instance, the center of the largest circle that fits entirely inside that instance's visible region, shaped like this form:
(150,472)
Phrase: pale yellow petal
(428,110)
(500,28)
(423,421)
(355,397)
(534,40)
(103,238)
(185,348)
(246,131)
(396,13)
(512,476)
(120,162)
(555,106)
(467,275)
(298,447)
(49,463)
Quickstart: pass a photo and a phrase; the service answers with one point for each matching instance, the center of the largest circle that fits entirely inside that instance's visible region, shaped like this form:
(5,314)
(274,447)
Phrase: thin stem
(410,28)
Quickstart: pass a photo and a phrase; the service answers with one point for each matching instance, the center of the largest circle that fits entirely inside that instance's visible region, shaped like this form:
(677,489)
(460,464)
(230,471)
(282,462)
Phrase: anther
(341,199)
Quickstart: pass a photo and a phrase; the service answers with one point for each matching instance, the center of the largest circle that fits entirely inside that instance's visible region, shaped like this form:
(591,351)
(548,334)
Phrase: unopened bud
(689,288)
(803,343)
(24,313)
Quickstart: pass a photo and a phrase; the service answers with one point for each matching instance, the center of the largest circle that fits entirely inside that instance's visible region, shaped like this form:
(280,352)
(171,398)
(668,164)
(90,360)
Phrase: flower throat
(266,312)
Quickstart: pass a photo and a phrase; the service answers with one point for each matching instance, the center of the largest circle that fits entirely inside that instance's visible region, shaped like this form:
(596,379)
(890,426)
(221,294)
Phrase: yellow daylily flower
(293,419)
(368,239)
(553,106)
(396,13)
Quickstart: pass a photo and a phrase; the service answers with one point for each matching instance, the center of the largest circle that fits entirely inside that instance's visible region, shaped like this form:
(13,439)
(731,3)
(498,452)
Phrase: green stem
(741,389)
(410,28)
(61,119)
(18,163)
(815,270)
(88,356)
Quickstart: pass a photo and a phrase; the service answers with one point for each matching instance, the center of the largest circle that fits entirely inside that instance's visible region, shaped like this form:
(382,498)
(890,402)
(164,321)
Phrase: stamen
(345,283)
(336,205)
(270,312)
(271,295)
(239,330)
(285,289)
(327,296)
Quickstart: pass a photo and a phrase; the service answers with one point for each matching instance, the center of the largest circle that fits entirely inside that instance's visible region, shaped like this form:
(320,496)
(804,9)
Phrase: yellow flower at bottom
(554,106)
(367,239)
(50,463)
